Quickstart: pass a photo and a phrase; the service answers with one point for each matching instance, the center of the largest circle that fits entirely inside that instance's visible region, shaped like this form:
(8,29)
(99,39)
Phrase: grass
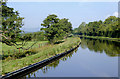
(43,52)
(11,51)
(101,37)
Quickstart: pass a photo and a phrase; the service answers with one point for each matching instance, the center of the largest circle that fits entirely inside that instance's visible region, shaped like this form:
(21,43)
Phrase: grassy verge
(43,52)
(100,37)
(11,52)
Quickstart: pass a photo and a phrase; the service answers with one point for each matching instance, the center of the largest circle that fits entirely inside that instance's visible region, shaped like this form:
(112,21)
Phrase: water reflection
(83,61)
(56,63)
(111,48)
(50,66)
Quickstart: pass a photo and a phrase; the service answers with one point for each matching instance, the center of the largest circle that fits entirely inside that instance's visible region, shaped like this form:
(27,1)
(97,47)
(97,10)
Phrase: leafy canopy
(10,30)
(107,28)
(56,29)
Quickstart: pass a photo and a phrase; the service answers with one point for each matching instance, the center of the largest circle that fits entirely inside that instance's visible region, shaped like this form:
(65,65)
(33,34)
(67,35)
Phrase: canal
(93,58)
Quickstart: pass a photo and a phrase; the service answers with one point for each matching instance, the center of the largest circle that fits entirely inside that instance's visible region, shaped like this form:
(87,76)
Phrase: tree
(111,28)
(56,29)
(81,28)
(66,26)
(10,30)
(50,26)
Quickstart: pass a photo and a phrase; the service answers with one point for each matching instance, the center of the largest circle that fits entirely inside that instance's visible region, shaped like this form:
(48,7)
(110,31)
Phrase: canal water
(93,58)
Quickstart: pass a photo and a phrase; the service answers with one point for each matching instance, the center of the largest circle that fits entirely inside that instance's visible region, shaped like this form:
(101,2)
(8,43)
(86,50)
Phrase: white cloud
(115,14)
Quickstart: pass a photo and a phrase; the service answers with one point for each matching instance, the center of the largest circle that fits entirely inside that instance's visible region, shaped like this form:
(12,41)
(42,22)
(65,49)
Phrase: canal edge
(13,74)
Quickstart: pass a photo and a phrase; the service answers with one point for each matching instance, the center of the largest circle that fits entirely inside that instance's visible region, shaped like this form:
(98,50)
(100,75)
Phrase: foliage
(108,28)
(66,26)
(10,30)
(56,29)
(36,36)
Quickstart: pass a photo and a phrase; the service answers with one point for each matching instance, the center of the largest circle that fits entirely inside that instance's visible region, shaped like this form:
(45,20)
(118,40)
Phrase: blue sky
(77,12)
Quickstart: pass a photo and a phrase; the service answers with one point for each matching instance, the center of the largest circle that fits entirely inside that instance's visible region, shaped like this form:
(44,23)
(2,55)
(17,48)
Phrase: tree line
(108,28)
(35,36)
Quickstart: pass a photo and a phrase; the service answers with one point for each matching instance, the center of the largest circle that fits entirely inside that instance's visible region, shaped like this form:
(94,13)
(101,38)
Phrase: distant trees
(56,29)
(108,28)
(80,29)
(36,36)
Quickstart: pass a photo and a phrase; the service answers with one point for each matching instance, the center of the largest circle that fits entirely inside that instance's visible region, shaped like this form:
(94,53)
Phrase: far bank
(100,37)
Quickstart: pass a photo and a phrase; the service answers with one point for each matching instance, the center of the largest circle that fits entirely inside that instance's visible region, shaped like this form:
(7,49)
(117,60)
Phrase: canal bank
(100,37)
(31,68)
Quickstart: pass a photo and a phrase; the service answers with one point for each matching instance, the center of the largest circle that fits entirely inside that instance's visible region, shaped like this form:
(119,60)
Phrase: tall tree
(50,26)
(10,30)
(56,29)
(66,26)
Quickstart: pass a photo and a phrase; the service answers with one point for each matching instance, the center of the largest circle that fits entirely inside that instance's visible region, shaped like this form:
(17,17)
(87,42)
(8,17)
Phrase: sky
(63,0)
(77,12)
